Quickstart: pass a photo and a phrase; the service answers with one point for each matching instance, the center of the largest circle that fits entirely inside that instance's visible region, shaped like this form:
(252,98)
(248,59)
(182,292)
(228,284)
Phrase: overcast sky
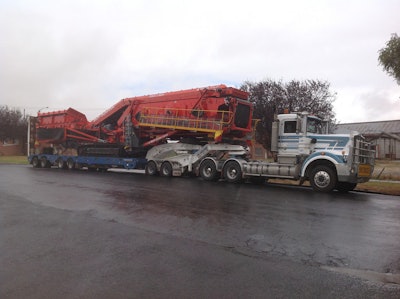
(90,54)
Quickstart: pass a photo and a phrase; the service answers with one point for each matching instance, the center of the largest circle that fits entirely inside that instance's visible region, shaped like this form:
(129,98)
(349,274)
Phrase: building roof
(374,127)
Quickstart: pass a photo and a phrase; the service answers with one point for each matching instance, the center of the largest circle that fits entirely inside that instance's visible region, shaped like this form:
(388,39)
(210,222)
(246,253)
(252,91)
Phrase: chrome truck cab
(328,161)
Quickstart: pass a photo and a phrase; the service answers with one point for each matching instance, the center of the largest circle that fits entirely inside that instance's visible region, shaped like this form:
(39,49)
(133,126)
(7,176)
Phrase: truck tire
(323,178)
(345,187)
(232,172)
(151,168)
(166,169)
(208,171)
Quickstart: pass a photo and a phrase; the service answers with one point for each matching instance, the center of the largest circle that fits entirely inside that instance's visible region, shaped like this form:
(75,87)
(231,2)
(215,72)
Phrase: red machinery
(214,113)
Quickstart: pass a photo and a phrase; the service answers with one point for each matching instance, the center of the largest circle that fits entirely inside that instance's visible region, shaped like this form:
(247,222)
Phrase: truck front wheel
(323,178)
(208,171)
(232,172)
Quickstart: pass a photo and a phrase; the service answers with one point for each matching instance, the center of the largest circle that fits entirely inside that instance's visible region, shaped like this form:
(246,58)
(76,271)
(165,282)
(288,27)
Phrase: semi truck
(200,132)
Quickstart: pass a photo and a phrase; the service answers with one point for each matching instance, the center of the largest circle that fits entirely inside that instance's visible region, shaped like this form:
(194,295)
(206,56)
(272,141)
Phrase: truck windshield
(314,125)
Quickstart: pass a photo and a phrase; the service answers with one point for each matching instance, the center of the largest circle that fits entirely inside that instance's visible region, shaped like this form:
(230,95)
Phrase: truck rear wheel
(232,172)
(166,169)
(151,168)
(323,178)
(208,171)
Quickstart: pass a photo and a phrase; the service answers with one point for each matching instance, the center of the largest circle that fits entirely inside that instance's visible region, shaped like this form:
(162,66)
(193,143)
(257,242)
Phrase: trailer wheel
(44,163)
(166,169)
(232,172)
(208,171)
(61,164)
(323,178)
(345,187)
(151,168)
(70,164)
(35,162)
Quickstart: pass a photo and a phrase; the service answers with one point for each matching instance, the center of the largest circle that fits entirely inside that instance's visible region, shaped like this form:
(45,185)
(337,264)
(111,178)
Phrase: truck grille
(362,151)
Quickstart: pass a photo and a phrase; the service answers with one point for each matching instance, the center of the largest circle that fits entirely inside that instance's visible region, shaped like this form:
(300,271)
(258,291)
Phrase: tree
(13,124)
(270,97)
(389,57)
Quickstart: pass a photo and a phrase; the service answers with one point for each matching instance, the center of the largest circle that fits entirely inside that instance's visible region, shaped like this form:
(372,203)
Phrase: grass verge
(383,187)
(13,160)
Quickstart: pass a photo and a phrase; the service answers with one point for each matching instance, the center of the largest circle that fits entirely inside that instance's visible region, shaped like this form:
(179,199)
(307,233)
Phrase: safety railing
(186,119)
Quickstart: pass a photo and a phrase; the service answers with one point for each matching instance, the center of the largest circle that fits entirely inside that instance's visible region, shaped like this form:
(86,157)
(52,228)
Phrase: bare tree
(271,97)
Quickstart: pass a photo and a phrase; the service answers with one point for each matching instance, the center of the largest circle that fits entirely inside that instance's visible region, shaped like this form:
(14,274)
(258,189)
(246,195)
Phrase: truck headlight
(344,156)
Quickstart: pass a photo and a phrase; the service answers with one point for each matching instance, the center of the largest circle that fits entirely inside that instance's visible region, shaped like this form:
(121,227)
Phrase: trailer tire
(345,187)
(44,163)
(61,163)
(166,169)
(233,172)
(70,164)
(35,162)
(151,168)
(323,178)
(208,171)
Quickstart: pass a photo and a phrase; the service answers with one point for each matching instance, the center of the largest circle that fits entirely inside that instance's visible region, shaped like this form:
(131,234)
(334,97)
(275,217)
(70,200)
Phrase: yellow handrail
(186,119)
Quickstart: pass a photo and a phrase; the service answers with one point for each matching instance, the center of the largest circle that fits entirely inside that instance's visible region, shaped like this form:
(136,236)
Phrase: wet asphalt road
(75,234)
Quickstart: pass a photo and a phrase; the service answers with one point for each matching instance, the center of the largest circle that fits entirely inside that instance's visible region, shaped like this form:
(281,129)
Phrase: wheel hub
(322,179)
(232,173)
(207,170)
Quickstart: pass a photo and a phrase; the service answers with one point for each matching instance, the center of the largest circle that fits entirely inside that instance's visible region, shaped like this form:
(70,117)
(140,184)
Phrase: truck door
(289,137)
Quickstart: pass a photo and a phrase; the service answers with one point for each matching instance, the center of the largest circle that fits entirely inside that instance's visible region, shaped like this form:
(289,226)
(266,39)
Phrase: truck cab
(328,161)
